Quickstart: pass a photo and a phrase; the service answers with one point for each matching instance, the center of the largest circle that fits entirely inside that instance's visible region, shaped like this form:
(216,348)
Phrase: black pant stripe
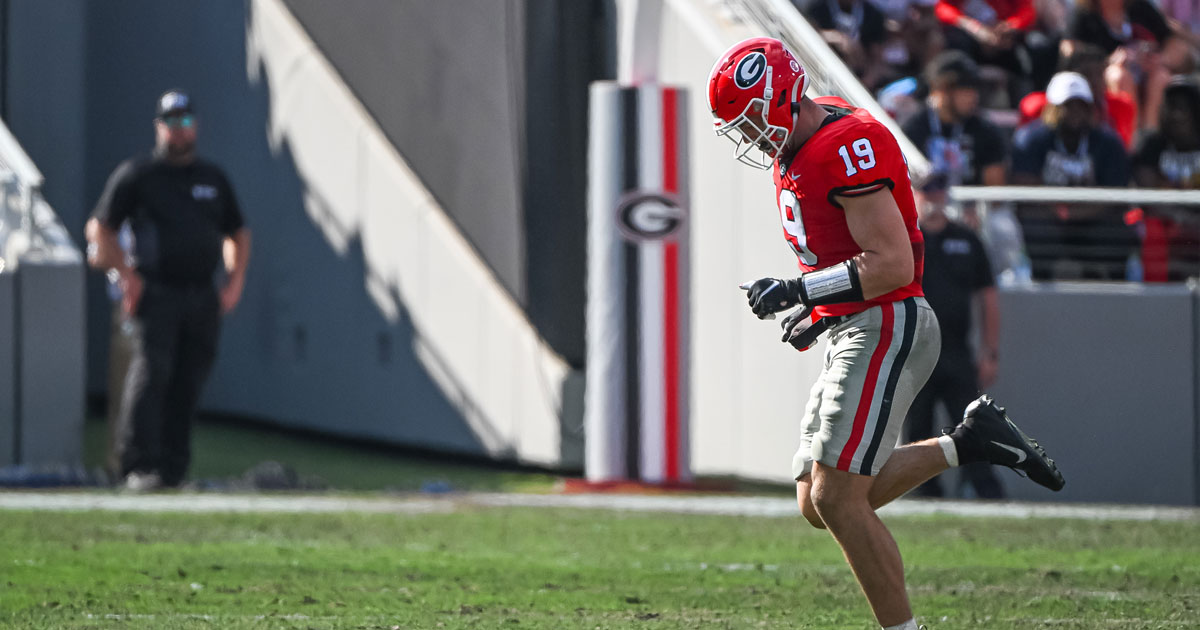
(889,391)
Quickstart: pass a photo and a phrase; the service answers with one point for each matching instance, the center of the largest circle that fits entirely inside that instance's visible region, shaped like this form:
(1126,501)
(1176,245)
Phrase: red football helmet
(750,91)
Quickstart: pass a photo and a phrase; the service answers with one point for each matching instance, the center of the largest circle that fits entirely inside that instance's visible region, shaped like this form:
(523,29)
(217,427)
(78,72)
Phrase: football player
(846,205)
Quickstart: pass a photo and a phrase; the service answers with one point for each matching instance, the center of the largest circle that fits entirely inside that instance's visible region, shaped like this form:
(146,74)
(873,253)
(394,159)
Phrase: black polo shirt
(961,151)
(956,266)
(180,216)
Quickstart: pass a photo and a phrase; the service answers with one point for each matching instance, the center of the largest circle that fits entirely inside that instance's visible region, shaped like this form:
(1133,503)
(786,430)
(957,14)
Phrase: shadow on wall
(345,246)
(462,327)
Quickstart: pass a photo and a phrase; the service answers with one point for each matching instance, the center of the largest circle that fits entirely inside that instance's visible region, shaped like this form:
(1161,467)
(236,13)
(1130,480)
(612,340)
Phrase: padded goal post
(636,404)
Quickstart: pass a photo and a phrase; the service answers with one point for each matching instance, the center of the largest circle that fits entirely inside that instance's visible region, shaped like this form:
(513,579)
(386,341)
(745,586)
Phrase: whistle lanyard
(955,139)
(1080,151)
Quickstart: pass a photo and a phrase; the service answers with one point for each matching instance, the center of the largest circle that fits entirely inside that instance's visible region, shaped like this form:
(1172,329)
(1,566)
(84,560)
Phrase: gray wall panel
(52,367)
(8,411)
(1103,376)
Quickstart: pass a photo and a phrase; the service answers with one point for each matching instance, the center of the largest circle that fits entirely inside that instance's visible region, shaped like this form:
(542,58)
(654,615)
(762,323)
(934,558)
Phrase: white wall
(748,388)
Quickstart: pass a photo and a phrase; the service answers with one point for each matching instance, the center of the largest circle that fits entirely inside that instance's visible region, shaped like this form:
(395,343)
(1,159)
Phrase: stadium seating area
(1130,116)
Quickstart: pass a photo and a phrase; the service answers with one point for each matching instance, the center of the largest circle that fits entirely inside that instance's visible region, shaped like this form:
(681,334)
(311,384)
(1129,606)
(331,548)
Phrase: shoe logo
(794,176)
(1015,451)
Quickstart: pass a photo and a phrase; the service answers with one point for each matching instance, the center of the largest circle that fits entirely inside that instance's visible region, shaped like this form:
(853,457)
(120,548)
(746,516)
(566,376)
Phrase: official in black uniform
(957,273)
(185,220)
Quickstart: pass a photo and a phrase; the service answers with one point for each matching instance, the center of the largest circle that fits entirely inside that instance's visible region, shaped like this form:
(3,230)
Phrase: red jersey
(850,155)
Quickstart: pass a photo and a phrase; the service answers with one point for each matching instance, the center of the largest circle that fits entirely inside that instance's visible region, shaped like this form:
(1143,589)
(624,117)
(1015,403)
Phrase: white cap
(1065,86)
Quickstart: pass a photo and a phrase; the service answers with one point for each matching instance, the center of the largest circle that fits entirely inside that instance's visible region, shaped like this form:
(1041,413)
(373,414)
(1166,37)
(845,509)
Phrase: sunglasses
(185,121)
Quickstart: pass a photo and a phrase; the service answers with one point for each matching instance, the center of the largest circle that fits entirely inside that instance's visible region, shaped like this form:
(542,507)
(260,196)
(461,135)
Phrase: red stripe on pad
(671,439)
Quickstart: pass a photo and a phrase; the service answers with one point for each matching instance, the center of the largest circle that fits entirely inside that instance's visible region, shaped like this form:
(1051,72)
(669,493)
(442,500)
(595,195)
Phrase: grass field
(553,568)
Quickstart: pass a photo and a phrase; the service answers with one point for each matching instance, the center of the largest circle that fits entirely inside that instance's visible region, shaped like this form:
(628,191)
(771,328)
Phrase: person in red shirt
(988,31)
(997,27)
(847,209)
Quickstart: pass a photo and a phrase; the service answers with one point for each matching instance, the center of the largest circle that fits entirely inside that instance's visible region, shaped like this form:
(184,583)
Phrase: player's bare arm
(886,261)
(885,264)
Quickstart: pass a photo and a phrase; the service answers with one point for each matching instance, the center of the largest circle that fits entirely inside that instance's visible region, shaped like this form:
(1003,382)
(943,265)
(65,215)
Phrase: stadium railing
(1006,203)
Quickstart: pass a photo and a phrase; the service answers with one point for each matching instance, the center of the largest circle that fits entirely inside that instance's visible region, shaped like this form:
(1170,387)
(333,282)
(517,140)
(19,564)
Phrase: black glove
(799,329)
(771,295)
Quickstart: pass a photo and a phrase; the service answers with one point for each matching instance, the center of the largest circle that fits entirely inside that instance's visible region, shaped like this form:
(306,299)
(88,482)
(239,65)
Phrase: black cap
(951,69)
(935,182)
(174,102)
(1186,84)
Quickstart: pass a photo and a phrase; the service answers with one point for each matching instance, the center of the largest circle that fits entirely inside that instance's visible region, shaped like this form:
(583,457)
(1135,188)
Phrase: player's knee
(810,515)
(804,501)
(830,506)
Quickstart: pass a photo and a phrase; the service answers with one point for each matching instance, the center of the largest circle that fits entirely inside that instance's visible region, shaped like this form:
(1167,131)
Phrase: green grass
(225,450)
(561,569)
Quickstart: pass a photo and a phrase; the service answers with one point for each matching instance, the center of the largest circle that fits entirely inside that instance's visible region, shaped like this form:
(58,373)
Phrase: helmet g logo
(750,70)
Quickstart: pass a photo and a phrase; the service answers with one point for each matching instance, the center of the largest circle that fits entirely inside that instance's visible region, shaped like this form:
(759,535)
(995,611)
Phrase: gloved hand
(768,296)
(799,329)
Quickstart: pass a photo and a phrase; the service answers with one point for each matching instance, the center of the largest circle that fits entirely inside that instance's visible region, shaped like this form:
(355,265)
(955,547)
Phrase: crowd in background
(1045,92)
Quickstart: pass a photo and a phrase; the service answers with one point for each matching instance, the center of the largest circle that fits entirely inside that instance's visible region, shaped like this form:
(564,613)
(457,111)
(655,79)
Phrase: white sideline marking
(778,507)
(198,502)
(687,504)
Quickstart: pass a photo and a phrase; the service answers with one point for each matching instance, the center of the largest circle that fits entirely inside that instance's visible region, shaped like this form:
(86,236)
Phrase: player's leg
(919,426)
(802,461)
(881,358)
(908,467)
(987,434)
(960,391)
(841,498)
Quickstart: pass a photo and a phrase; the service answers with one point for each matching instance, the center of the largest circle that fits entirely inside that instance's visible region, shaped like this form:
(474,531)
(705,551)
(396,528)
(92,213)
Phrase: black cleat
(987,431)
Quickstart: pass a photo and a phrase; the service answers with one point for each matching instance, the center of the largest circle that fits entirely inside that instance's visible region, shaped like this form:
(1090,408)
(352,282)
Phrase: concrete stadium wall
(350,322)
(1105,376)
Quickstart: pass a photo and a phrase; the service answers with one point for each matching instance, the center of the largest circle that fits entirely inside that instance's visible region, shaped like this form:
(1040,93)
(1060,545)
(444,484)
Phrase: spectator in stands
(958,142)
(1143,50)
(1117,110)
(915,40)
(1184,19)
(1068,148)
(1170,158)
(920,36)
(993,33)
(957,277)
(855,30)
